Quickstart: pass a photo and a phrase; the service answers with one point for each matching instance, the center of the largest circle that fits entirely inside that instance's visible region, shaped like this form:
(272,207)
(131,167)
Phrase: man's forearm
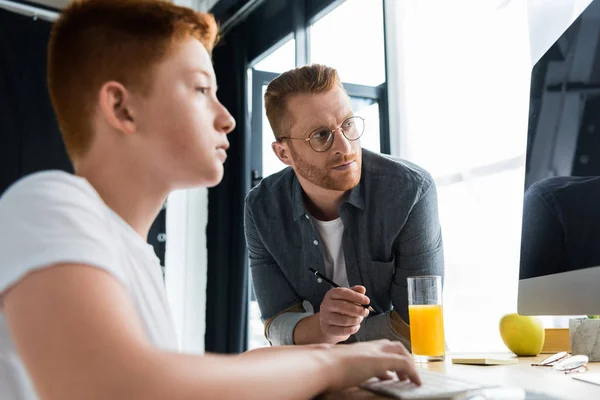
(299,326)
(308,331)
(279,329)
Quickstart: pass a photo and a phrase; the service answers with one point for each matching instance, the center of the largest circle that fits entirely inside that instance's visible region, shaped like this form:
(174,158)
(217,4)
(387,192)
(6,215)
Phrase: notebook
(589,377)
(484,361)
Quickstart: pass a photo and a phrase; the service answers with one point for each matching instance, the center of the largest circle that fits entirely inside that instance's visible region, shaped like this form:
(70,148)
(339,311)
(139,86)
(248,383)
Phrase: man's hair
(96,41)
(309,79)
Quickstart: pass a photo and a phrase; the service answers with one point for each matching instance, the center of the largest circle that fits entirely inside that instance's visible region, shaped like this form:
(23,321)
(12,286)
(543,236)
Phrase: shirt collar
(354,197)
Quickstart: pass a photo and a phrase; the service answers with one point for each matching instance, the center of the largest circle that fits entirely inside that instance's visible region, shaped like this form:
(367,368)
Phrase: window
(361,67)
(280,60)
(369,110)
(466,101)
(275,63)
(341,39)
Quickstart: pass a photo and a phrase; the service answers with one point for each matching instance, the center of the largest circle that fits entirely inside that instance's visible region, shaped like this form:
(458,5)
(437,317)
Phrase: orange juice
(426,329)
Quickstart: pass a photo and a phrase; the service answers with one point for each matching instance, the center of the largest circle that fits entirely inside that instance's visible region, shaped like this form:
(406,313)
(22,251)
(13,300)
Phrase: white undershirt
(331,233)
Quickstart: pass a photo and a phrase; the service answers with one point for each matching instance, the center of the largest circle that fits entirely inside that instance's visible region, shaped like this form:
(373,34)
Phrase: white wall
(186,265)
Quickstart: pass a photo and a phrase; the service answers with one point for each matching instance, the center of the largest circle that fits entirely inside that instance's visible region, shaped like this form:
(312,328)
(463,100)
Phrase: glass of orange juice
(426,318)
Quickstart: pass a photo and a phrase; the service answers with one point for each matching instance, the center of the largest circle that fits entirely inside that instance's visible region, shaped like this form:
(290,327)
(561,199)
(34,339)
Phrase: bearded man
(364,220)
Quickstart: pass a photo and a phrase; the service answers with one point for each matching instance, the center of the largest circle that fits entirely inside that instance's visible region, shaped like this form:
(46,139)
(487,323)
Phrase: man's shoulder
(394,172)
(273,186)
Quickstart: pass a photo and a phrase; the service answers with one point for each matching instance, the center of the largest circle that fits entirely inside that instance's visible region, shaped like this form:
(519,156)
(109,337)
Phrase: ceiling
(197,4)
(222,9)
(57,4)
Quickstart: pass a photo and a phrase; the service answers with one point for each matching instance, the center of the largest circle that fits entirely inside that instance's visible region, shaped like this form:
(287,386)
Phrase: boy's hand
(355,363)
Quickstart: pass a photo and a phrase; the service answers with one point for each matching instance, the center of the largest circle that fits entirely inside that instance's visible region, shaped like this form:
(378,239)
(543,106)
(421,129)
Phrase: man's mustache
(341,160)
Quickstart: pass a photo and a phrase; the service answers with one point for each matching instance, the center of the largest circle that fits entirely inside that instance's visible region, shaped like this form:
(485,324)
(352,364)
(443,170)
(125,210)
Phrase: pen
(335,285)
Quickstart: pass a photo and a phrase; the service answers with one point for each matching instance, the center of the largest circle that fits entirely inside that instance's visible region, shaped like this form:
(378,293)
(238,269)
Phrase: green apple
(523,335)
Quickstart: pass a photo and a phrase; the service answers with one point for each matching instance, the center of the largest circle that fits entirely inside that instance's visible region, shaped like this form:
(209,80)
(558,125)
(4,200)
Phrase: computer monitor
(560,241)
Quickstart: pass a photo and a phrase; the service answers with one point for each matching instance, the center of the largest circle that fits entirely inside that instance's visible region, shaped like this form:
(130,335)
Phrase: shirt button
(306,215)
(315,242)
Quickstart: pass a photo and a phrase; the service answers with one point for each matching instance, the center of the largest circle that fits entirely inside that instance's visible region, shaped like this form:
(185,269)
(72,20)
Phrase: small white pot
(585,337)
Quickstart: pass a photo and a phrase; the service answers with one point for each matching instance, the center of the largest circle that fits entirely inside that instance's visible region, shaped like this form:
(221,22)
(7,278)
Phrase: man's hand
(358,362)
(342,312)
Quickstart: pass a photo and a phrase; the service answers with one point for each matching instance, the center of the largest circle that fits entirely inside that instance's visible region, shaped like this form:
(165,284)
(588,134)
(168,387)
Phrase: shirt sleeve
(418,248)
(272,290)
(51,218)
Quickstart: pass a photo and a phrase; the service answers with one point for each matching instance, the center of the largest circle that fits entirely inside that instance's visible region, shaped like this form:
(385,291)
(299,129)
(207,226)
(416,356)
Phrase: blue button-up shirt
(391,232)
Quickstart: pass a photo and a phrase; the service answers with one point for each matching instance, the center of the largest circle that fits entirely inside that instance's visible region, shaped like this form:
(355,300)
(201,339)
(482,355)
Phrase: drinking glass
(426,318)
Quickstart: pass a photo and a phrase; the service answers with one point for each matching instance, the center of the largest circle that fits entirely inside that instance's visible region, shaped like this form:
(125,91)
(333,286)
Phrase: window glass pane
(481,247)
(280,60)
(466,108)
(341,40)
(256,337)
(469,113)
(270,162)
(369,110)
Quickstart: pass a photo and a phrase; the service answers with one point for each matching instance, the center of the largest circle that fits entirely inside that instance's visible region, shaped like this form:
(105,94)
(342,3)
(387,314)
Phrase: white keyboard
(438,386)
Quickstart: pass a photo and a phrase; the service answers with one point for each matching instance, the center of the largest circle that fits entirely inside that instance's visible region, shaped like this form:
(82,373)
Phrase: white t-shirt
(331,233)
(55,217)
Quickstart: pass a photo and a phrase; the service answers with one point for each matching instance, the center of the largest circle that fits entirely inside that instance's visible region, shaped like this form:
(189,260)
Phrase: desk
(535,379)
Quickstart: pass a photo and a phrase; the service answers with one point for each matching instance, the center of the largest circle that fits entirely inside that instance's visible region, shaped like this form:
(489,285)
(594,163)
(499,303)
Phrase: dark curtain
(227,291)
(29,137)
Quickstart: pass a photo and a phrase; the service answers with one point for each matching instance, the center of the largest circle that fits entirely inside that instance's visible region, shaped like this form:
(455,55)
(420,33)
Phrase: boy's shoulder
(46,184)
(49,196)
(54,217)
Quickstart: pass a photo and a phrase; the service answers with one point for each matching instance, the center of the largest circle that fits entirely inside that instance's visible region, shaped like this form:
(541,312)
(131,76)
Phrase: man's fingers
(345,308)
(340,319)
(348,295)
(359,289)
(333,330)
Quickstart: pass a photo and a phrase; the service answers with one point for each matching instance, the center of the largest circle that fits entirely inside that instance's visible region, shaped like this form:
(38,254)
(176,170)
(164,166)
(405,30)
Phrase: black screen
(561,209)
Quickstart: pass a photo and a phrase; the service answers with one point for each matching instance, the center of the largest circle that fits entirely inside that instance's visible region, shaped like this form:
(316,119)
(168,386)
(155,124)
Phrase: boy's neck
(136,196)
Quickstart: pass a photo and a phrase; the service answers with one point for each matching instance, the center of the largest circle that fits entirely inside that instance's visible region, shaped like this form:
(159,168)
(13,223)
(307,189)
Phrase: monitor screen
(560,240)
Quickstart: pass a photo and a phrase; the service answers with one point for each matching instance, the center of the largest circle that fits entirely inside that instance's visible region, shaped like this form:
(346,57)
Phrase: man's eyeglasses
(563,362)
(321,139)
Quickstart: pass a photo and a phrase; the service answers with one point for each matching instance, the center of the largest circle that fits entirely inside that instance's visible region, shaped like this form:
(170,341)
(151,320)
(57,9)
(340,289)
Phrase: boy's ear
(116,108)
(282,152)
